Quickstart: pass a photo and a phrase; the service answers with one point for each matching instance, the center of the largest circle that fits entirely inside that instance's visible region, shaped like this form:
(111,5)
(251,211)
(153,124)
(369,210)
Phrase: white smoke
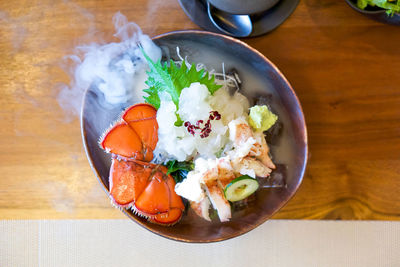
(117,69)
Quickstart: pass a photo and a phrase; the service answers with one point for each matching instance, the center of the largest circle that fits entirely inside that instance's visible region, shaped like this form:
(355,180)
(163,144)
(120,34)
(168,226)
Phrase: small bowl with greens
(386,11)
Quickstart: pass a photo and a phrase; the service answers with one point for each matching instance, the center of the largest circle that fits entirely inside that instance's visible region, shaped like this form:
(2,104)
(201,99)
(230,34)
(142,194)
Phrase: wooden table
(344,68)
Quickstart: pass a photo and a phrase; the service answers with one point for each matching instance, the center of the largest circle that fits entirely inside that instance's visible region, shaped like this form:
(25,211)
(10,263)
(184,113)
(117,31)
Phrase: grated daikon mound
(195,103)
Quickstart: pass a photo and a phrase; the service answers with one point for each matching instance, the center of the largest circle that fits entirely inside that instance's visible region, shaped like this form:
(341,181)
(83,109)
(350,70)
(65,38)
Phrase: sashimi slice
(218,200)
(202,208)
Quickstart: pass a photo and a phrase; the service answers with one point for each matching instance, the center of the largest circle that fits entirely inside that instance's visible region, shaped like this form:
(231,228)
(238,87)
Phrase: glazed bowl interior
(259,78)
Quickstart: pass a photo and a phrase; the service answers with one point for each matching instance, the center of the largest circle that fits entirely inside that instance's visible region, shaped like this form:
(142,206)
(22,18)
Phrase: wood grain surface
(343,67)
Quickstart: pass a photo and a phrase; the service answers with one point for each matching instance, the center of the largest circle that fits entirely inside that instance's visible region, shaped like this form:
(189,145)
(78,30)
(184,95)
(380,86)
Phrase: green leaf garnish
(391,7)
(179,170)
(173,79)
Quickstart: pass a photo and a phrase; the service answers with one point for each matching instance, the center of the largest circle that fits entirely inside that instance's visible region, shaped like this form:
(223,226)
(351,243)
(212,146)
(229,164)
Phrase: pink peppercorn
(206,130)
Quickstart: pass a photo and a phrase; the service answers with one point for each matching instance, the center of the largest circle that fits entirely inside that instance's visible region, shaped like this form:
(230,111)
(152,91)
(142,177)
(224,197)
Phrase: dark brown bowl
(376,13)
(260,78)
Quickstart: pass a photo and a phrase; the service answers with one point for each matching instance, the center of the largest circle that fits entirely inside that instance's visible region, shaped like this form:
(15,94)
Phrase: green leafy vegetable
(179,170)
(391,6)
(173,79)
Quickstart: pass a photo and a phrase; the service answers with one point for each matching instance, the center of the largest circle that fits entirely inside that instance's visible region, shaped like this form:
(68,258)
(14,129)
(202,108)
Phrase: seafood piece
(211,177)
(135,136)
(158,201)
(122,140)
(169,218)
(240,132)
(216,195)
(248,144)
(155,197)
(127,179)
(135,182)
(142,119)
(251,166)
(202,208)
(225,171)
(250,156)
(242,137)
(176,207)
(264,152)
(215,181)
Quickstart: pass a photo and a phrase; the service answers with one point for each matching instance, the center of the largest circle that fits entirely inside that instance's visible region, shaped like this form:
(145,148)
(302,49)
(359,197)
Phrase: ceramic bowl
(260,78)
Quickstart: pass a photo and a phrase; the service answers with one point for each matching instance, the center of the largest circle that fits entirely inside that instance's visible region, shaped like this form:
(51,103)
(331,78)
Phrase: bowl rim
(301,117)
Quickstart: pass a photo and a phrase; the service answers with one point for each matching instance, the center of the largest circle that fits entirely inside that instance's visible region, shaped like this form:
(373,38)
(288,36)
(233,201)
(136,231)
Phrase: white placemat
(111,243)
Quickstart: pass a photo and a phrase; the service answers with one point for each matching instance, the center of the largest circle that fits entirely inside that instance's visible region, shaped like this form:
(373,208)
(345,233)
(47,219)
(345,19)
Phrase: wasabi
(261,118)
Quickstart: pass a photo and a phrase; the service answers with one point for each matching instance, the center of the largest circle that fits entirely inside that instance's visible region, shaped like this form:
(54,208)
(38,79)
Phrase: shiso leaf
(173,79)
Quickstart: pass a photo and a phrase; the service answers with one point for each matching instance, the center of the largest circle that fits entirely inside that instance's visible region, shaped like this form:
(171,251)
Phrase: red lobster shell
(134,181)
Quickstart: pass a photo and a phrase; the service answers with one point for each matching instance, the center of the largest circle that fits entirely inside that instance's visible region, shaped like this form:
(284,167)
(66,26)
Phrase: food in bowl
(196,137)
(391,6)
(111,77)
